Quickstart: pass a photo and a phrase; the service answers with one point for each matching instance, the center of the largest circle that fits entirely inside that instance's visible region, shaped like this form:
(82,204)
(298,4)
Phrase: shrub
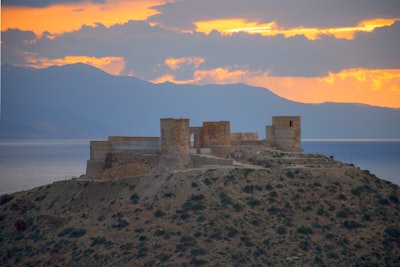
(134,198)
(394,233)
(127,246)
(343,213)
(5,198)
(290,174)
(320,211)
(304,245)
(65,231)
(351,224)
(252,202)
(76,233)
(142,252)
(159,213)
(246,241)
(273,194)
(195,261)
(194,203)
(393,198)
(237,207)
(120,224)
(198,251)
(159,232)
(168,195)
(249,189)
(281,230)
(381,200)
(231,231)
(207,182)
(98,240)
(305,230)
(269,187)
(225,199)
(247,172)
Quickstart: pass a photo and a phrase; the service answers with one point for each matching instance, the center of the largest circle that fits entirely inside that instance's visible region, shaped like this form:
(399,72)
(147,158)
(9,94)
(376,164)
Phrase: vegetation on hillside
(290,210)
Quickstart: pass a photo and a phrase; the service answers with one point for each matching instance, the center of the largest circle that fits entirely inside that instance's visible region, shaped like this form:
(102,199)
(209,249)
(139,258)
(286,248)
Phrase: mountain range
(80,101)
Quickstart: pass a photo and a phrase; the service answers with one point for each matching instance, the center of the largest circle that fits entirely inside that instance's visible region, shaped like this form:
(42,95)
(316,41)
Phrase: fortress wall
(269,134)
(125,143)
(249,143)
(175,137)
(244,136)
(94,167)
(99,150)
(216,133)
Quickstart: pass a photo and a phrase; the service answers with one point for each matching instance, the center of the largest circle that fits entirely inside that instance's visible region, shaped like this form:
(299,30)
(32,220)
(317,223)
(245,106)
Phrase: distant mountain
(76,101)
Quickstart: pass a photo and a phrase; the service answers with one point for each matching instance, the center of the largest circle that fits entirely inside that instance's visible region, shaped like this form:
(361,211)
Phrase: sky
(310,51)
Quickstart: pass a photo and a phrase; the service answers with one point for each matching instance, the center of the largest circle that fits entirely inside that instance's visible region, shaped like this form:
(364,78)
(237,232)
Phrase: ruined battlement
(182,146)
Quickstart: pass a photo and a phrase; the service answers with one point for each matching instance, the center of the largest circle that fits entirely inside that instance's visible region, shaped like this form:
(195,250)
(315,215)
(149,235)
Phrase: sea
(25,164)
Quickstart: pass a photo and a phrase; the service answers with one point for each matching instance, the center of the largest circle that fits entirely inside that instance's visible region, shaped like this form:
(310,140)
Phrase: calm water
(381,158)
(27,164)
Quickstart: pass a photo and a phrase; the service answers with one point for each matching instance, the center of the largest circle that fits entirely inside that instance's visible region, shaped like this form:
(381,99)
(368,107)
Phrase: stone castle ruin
(181,146)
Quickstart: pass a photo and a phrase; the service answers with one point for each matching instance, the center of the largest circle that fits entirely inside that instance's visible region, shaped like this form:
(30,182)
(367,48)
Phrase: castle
(181,146)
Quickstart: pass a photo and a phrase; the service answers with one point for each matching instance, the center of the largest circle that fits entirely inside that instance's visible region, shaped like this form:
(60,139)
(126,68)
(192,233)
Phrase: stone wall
(216,133)
(125,143)
(175,135)
(285,133)
(244,136)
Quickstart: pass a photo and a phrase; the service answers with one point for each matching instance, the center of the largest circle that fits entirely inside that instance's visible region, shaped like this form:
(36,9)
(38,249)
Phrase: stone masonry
(181,146)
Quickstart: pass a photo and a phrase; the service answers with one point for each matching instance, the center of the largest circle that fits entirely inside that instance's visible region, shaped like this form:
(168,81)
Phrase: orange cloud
(111,65)
(61,18)
(176,63)
(230,26)
(378,87)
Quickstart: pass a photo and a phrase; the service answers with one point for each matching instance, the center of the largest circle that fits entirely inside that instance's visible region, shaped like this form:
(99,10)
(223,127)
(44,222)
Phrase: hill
(282,209)
(79,101)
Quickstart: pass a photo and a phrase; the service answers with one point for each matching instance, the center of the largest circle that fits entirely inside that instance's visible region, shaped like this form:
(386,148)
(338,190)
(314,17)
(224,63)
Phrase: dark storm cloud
(145,49)
(42,3)
(288,13)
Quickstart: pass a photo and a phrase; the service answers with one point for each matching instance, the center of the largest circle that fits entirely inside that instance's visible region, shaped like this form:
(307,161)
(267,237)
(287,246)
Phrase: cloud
(230,26)
(287,13)
(145,49)
(43,3)
(52,18)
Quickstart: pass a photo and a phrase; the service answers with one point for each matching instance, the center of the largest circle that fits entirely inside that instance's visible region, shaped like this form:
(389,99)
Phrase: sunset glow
(230,26)
(60,18)
(111,65)
(375,87)
(171,40)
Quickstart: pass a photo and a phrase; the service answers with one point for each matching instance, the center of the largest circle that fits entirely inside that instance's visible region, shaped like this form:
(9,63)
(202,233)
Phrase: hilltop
(272,208)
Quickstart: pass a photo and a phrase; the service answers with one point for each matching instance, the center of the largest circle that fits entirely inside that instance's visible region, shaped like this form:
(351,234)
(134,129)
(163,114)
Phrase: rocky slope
(292,209)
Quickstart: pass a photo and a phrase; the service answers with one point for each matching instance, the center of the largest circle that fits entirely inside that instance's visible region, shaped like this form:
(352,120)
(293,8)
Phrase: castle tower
(175,146)
(285,133)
